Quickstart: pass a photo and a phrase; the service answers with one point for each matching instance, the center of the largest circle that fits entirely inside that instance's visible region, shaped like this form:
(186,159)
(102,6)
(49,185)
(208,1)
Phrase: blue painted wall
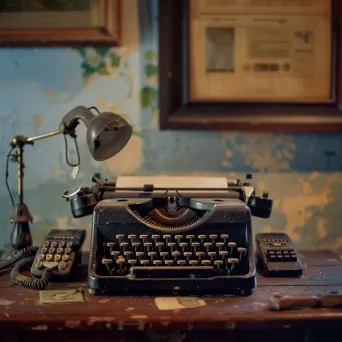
(302,172)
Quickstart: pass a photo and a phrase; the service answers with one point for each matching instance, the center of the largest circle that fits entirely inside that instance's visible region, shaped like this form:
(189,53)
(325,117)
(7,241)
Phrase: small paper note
(173,303)
(61,296)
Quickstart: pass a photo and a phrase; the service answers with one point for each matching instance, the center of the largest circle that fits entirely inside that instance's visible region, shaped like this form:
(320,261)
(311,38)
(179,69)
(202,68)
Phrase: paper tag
(75,171)
(173,303)
(61,296)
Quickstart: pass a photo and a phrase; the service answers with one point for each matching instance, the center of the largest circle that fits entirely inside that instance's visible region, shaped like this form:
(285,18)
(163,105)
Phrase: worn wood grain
(322,274)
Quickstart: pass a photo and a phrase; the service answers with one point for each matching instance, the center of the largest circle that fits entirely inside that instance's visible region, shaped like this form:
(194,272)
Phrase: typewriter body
(171,234)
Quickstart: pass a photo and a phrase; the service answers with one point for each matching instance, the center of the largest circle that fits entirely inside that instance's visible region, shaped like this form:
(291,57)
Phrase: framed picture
(266,65)
(59,22)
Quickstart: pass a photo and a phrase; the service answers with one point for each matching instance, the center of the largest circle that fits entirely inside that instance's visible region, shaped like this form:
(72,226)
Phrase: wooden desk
(221,319)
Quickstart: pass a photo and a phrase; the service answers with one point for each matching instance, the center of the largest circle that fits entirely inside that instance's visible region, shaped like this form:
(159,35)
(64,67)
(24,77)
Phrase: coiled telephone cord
(29,282)
(22,261)
(23,253)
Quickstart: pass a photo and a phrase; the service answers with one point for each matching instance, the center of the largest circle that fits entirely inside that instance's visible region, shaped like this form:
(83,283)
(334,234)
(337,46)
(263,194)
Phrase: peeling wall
(302,172)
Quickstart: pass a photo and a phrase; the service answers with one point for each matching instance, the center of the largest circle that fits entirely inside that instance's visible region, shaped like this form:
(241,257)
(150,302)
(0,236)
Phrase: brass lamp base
(21,236)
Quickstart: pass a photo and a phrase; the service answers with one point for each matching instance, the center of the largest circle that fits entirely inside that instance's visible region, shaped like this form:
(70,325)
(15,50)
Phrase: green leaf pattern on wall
(99,61)
(151,70)
(149,93)
(149,96)
(107,61)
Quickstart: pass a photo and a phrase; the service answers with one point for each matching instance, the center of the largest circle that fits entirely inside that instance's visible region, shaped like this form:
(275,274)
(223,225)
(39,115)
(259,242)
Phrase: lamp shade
(107,134)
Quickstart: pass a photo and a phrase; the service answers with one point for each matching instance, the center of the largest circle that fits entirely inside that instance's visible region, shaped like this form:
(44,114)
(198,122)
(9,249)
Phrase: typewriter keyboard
(164,256)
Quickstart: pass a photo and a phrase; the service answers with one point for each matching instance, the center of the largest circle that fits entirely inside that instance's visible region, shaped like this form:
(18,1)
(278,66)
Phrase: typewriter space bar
(172,271)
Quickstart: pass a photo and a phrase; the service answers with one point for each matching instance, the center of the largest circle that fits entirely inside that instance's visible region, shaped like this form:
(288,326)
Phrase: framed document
(251,65)
(51,22)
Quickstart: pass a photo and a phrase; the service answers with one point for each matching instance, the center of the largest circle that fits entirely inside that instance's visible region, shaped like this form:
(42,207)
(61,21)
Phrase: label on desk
(61,296)
(174,303)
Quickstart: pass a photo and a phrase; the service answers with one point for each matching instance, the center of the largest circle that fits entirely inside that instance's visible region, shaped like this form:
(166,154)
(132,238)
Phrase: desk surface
(20,308)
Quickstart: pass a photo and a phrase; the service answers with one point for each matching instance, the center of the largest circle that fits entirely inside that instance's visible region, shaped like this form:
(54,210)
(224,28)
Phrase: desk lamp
(107,134)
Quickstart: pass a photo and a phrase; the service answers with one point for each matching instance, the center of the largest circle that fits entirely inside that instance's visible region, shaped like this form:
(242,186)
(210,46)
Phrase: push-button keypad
(56,253)
(276,255)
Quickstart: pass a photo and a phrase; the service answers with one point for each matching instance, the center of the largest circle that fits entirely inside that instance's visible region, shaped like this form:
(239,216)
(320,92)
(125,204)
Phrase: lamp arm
(43,136)
(71,119)
(20,141)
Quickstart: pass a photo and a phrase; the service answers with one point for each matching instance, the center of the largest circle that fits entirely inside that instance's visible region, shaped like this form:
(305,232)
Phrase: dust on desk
(5,302)
(61,296)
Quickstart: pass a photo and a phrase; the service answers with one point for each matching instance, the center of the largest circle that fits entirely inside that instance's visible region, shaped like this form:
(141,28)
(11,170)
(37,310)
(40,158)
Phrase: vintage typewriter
(171,234)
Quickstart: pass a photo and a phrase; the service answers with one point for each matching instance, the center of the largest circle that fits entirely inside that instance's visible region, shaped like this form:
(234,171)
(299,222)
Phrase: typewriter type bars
(166,255)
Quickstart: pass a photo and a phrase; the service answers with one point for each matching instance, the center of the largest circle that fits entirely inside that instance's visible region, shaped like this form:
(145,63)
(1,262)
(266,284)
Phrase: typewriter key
(178,238)
(115,254)
(200,255)
(164,255)
(195,245)
(206,262)
(207,245)
(144,262)
(120,237)
(212,255)
(132,262)
(169,262)
(193,262)
(167,238)
(218,263)
(190,237)
(148,246)
(232,262)
(213,237)
(144,237)
(242,252)
(160,245)
(106,261)
(187,255)
(183,245)
(225,237)
(219,244)
(223,254)
(176,254)
(171,245)
(152,255)
(132,237)
(155,237)
(202,238)
(231,245)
